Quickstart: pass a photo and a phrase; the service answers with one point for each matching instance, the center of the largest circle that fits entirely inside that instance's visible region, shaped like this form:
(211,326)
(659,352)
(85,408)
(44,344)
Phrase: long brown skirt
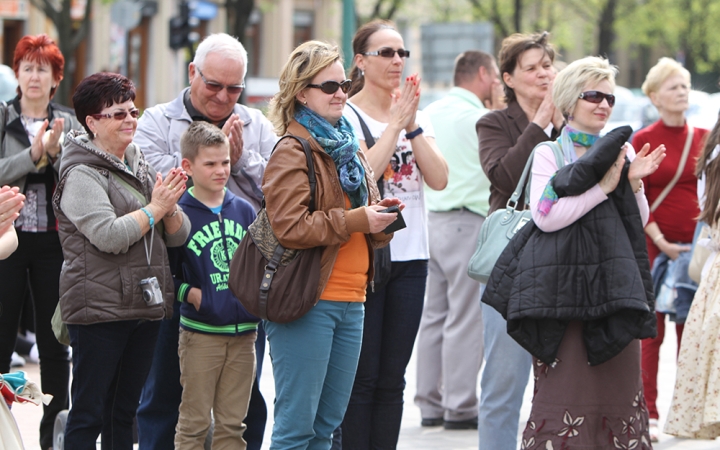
(581,407)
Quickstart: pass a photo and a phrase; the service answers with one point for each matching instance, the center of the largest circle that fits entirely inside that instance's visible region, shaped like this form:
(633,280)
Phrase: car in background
(8,83)
(703,111)
(630,109)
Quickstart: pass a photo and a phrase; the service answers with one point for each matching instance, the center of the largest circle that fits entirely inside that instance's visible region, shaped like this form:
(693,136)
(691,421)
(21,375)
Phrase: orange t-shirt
(348,279)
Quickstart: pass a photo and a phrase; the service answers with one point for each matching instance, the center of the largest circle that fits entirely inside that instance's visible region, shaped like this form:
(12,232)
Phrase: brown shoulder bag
(273,282)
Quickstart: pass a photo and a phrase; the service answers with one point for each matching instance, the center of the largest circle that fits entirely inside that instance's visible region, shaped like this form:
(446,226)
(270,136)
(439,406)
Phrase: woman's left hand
(645,164)
(52,144)
(167,192)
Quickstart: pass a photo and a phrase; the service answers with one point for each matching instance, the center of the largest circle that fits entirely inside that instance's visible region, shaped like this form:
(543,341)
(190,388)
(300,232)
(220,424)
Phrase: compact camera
(151,291)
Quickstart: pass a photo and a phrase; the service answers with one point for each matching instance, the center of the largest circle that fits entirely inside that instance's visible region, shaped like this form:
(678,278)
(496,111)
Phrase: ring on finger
(170,186)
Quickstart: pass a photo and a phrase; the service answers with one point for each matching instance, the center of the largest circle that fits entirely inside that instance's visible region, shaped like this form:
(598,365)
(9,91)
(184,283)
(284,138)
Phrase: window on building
(303,22)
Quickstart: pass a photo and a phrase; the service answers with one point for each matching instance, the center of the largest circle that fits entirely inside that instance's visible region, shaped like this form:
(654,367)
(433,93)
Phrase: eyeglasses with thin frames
(597,97)
(387,52)
(214,86)
(117,115)
(331,87)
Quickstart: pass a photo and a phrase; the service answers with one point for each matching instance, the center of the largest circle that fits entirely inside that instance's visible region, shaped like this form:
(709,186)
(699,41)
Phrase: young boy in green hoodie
(217,335)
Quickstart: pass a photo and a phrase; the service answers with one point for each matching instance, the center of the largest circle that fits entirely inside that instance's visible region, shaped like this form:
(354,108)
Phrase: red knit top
(677,213)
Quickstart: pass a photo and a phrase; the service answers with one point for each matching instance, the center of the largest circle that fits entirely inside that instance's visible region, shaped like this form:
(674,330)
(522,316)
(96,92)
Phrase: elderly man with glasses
(217,77)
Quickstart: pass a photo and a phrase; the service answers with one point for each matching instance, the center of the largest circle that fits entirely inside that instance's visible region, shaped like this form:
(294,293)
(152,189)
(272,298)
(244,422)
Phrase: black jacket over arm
(595,270)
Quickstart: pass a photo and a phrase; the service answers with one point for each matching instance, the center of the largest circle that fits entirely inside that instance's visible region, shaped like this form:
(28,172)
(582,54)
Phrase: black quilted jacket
(595,270)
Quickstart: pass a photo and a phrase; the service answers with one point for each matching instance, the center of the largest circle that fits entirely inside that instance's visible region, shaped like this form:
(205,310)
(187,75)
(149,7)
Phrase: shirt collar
(196,115)
(467,96)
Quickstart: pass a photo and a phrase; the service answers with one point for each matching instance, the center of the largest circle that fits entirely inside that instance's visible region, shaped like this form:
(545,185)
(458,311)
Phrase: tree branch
(80,34)
(48,9)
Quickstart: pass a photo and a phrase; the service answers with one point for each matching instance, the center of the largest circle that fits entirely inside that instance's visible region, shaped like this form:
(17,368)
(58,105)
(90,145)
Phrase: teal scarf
(340,143)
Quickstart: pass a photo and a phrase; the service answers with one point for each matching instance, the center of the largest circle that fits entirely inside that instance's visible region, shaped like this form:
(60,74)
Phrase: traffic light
(181,28)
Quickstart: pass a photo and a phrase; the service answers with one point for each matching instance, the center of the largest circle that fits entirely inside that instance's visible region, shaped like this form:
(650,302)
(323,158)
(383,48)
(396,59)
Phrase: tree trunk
(69,38)
(606,35)
(238,17)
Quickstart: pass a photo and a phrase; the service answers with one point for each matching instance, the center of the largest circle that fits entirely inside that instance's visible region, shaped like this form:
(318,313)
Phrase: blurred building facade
(132,37)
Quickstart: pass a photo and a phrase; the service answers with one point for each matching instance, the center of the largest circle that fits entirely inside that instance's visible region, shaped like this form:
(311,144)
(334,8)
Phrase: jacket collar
(16,129)
(176,110)
(300,131)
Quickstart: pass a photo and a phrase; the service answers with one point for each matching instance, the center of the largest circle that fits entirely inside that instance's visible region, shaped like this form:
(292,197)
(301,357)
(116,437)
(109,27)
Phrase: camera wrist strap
(148,253)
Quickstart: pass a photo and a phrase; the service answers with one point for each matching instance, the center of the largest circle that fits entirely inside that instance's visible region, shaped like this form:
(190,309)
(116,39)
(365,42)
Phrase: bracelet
(413,134)
(150,216)
(657,238)
(174,213)
(639,187)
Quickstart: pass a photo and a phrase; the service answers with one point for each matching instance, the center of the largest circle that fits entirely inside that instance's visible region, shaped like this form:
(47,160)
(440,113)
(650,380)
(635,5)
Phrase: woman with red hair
(32,130)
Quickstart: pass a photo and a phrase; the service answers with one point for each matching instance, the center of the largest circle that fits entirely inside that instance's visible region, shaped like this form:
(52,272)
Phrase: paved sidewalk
(412,435)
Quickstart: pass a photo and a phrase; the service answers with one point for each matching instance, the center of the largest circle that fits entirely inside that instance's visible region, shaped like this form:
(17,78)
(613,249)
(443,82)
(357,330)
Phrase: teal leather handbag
(501,225)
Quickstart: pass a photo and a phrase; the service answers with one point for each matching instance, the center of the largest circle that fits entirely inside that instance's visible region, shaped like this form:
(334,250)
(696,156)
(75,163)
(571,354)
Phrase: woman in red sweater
(672,222)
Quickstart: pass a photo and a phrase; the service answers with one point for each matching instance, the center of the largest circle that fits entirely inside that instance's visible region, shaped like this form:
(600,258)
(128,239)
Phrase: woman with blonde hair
(672,194)
(315,357)
(581,310)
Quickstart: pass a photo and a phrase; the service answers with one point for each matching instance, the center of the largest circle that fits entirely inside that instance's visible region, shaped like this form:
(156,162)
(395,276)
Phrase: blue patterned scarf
(341,144)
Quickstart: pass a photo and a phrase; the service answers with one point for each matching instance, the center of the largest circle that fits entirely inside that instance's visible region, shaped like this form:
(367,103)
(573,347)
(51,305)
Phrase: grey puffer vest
(97,286)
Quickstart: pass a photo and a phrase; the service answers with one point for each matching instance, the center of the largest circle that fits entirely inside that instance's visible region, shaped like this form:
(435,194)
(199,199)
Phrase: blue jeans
(503,383)
(392,318)
(110,363)
(314,360)
(162,393)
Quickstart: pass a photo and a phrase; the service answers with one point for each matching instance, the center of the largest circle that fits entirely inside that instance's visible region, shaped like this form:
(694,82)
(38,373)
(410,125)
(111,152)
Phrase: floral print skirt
(581,407)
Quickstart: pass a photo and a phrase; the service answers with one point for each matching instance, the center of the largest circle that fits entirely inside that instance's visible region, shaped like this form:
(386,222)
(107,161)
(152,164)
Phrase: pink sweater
(568,209)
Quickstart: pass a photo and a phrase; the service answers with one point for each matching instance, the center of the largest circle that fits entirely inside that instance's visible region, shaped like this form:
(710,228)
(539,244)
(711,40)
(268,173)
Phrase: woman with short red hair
(32,130)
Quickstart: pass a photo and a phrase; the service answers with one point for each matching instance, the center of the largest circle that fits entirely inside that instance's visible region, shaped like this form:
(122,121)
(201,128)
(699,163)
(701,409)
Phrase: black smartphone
(399,223)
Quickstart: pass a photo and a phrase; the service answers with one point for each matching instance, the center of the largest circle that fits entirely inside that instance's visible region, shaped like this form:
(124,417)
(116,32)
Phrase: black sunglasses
(387,52)
(597,97)
(331,87)
(214,86)
(117,115)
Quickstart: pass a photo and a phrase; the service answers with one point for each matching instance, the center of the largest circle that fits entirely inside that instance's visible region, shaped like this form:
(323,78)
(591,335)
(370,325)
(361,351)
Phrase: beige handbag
(700,254)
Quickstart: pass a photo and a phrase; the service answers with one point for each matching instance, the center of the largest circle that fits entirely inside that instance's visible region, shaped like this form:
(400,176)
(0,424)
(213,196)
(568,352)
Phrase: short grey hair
(570,82)
(223,44)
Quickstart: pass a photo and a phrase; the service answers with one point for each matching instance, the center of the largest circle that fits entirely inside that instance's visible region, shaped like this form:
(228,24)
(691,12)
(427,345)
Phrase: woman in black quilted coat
(575,286)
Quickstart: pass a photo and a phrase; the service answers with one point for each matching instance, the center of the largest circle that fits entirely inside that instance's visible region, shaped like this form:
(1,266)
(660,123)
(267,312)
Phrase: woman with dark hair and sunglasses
(314,357)
(672,222)
(576,403)
(116,218)
(403,157)
(32,128)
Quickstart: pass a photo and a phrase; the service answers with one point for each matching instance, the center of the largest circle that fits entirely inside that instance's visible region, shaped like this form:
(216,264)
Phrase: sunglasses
(331,87)
(597,97)
(117,115)
(387,52)
(214,86)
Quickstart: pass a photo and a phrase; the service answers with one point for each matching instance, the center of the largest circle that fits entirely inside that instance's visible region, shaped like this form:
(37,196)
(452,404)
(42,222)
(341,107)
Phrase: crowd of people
(120,228)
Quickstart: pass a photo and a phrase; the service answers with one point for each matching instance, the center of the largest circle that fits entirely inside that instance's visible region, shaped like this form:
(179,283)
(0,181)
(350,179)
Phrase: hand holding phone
(398,224)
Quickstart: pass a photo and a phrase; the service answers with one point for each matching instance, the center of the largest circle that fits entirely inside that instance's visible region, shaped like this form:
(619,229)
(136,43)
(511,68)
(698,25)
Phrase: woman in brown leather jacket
(315,357)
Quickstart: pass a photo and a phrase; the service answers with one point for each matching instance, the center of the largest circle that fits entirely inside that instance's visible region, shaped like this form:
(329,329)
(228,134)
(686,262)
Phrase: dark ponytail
(359,45)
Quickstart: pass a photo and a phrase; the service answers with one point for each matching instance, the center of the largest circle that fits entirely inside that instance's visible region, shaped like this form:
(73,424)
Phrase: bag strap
(559,160)
(311,167)
(369,142)
(681,167)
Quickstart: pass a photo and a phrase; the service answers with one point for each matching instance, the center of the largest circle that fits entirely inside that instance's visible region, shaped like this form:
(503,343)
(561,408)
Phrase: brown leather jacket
(287,197)
(507,138)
